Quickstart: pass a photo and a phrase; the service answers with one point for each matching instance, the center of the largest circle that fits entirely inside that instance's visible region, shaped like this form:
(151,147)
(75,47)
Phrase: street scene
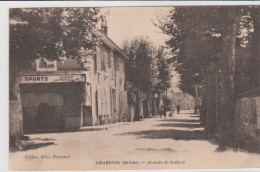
(134,88)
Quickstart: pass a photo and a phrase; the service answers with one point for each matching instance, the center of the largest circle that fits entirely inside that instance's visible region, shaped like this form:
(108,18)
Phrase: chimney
(104,27)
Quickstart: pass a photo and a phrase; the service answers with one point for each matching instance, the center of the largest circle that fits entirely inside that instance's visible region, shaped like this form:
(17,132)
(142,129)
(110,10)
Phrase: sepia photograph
(134,88)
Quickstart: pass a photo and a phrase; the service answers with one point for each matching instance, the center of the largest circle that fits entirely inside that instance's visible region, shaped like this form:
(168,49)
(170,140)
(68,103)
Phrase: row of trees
(147,71)
(216,48)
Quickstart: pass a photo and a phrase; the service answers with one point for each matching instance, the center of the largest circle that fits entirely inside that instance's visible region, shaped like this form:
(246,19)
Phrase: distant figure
(166,106)
(171,111)
(161,111)
(178,108)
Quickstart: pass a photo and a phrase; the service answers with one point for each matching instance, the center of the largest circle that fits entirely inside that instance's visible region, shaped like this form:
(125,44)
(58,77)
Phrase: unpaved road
(152,143)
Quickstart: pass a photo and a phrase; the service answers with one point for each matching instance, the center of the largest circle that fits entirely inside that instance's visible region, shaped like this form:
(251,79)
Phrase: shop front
(53,101)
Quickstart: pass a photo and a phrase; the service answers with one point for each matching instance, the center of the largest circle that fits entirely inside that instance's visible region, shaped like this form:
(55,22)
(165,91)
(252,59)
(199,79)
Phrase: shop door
(87,115)
(44,116)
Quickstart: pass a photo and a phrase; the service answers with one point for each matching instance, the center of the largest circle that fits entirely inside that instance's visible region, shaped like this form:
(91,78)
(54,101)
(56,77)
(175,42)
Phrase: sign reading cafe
(51,78)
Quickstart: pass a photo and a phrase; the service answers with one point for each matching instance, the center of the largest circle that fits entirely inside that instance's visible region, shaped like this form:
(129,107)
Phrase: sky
(125,23)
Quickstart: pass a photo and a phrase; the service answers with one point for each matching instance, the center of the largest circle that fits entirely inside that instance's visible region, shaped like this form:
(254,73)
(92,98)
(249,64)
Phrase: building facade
(69,94)
(186,101)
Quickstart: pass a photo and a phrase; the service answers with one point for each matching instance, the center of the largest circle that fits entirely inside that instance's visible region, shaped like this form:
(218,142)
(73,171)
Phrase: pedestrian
(178,108)
(171,112)
(166,107)
(161,111)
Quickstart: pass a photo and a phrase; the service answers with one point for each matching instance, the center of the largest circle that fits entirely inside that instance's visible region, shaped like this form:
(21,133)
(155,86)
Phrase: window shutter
(122,80)
(98,60)
(105,61)
(109,59)
(107,101)
(117,64)
(112,67)
(103,101)
(102,61)
(99,101)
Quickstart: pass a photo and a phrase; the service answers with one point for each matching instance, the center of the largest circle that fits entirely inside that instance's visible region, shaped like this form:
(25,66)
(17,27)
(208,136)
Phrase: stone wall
(248,122)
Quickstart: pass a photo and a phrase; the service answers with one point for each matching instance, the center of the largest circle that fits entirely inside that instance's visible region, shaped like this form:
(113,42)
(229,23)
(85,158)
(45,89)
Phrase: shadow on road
(43,139)
(195,116)
(171,133)
(29,144)
(180,120)
(191,126)
(155,150)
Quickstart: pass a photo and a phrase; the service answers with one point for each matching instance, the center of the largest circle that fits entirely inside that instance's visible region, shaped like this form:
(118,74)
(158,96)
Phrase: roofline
(104,36)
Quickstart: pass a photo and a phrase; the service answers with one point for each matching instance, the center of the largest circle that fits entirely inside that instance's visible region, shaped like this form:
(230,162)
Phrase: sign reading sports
(51,79)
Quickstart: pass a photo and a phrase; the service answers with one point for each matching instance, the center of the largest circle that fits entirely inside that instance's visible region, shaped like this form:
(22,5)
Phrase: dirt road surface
(153,143)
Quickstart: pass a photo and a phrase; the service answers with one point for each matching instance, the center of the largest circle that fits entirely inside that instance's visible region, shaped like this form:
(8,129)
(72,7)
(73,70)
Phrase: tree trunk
(154,111)
(15,106)
(140,104)
(254,58)
(203,114)
(211,97)
(227,80)
(196,100)
(137,109)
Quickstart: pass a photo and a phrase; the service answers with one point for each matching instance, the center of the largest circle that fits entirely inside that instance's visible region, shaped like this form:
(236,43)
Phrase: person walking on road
(166,106)
(171,111)
(161,111)
(178,108)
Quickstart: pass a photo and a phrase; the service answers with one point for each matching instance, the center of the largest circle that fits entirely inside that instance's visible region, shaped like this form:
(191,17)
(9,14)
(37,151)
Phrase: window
(117,64)
(112,67)
(109,59)
(95,63)
(98,62)
(105,61)
(102,61)
(104,58)
(107,101)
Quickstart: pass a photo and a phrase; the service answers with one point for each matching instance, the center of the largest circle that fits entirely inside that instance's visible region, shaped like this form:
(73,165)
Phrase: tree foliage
(51,33)
(147,69)
(141,68)
(196,35)
(164,71)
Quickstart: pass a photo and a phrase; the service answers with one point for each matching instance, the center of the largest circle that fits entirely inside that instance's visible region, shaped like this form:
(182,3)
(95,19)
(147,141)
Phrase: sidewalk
(34,143)
(101,127)
(85,128)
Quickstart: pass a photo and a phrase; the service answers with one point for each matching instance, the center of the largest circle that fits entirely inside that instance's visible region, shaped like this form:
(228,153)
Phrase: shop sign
(51,79)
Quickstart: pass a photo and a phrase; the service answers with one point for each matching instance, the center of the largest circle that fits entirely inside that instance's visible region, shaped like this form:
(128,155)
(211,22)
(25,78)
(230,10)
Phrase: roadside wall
(248,122)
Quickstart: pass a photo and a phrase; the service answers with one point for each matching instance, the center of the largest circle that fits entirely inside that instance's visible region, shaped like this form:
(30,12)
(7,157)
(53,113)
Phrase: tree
(254,43)
(141,68)
(164,71)
(49,34)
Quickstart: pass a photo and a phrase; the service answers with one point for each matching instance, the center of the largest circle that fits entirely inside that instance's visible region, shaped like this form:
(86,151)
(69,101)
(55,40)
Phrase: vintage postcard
(134,88)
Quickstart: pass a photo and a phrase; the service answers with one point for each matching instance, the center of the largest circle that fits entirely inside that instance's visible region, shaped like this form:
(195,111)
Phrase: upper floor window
(97,60)
(117,64)
(104,58)
(109,59)
(112,66)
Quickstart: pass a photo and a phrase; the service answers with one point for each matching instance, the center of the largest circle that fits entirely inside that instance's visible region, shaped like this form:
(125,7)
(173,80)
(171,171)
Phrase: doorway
(44,118)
